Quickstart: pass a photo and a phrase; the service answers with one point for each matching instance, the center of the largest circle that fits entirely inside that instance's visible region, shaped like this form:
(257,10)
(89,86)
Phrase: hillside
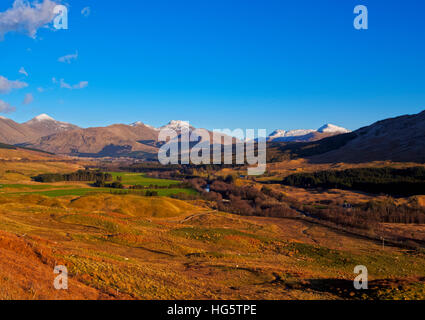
(106,141)
(399,139)
(174,250)
(12,132)
(396,139)
(9,152)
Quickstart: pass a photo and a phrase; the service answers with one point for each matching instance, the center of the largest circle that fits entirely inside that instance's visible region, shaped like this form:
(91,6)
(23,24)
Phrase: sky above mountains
(220,64)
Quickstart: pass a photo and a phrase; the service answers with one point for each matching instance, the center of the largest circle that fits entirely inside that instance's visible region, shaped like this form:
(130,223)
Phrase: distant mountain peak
(290,133)
(43,117)
(137,123)
(177,125)
(305,134)
(151,127)
(331,128)
(140,123)
(44,125)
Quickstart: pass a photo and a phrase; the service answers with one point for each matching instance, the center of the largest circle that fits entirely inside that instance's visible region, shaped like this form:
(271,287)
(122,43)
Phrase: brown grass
(176,250)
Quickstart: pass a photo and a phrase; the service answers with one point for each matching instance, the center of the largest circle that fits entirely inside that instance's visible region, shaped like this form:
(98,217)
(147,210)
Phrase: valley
(129,228)
(119,245)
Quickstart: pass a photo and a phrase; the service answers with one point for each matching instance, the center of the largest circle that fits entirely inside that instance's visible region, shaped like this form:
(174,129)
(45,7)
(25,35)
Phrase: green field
(85,191)
(65,192)
(129,178)
(32,186)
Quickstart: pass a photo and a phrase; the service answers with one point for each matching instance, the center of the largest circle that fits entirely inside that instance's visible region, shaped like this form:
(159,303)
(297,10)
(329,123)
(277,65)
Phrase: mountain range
(396,139)
(136,140)
(133,140)
(303,135)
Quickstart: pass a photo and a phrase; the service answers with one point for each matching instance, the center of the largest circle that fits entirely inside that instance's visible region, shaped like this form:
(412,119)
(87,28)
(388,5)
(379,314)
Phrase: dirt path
(196,215)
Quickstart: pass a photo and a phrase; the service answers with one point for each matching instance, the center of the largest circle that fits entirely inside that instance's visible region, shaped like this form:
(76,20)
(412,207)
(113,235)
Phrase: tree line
(80,175)
(391,181)
(268,202)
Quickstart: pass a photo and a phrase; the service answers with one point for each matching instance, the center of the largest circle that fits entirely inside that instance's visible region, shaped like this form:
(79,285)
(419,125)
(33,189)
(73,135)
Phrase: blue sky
(223,63)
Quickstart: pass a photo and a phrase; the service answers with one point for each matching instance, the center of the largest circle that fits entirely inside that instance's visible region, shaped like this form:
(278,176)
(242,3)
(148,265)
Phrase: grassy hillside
(129,247)
(137,247)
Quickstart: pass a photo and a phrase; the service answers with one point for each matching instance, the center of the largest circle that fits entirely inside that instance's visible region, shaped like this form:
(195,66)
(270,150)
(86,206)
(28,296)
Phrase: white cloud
(29,98)
(22,71)
(86,11)
(80,85)
(68,58)
(7,85)
(65,85)
(6,108)
(40,89)
(27,17)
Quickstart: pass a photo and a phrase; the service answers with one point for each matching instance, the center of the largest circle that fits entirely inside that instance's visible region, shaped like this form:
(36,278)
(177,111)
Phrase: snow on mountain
(291,133)
(330,128)
(45,125)
(140,123)
(42,117)
(304,134)
(177,125)
(137,123)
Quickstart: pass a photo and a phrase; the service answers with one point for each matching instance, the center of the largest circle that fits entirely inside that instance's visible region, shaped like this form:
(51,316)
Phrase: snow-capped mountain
(330,128)
(140,123)
(300,135)
(177,125)
(41,117)
(289,134)
(137,123)
(46,125)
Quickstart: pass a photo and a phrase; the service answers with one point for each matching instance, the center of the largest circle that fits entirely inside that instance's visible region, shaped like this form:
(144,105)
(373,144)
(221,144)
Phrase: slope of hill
(115,253)
(397,139)
(105,141)
(12,132)
(400,139)
(8,151)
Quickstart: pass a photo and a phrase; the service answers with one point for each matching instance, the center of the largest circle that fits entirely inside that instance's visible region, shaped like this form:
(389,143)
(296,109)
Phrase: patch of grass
(169,192)
(69,192)
(85,191)
(130,178)
(321,255)
(213,234)
(98,222)
(31,186)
